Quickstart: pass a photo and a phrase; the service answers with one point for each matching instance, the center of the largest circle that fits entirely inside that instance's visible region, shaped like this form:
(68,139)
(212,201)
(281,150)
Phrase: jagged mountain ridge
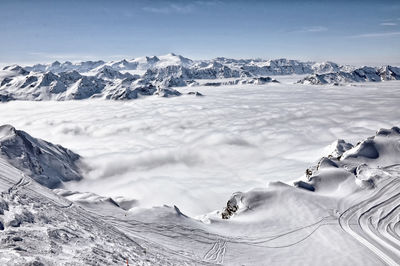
(242,66)
(46,163)
(144,76)
(362,74)
(140,63)
(72,85)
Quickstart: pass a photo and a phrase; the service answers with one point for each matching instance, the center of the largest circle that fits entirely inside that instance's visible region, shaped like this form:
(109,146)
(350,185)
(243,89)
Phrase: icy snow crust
(342,222)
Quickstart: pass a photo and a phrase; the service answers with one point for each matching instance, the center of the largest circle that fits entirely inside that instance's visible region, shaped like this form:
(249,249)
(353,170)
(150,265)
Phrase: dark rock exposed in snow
(231,206)
(196,93)
(242,81)
(6,97)
(304,185)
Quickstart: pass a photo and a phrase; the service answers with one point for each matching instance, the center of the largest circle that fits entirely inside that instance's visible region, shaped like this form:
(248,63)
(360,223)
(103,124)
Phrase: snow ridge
(361,184)
(46,163)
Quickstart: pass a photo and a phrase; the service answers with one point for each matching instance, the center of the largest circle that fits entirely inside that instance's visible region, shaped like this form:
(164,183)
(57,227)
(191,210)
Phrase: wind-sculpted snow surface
(356,187)
(351,217)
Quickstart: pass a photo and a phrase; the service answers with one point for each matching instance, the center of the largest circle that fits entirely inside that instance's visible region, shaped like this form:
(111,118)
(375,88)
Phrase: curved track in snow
(375,221)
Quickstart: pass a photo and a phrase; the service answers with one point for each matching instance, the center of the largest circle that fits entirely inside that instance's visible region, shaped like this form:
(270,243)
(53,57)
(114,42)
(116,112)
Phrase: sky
(348,32)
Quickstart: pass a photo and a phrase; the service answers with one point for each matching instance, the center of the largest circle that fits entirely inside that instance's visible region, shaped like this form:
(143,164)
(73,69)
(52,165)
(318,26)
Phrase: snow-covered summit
(16,69)
(173,59)
(280,66)
(46,163)
(325,67)
(148,62)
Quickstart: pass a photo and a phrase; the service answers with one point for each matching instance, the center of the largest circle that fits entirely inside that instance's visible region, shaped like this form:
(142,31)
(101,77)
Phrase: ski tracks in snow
(216,253)
(375,222)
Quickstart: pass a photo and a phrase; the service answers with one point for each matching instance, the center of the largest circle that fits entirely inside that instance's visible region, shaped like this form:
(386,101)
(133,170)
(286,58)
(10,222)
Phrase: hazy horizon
(127,57)
(357,33)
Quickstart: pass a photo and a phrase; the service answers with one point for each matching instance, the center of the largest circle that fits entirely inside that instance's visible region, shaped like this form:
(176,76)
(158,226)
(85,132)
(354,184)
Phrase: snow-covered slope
(38,227)
(350,216)
(48,164)
(353,192)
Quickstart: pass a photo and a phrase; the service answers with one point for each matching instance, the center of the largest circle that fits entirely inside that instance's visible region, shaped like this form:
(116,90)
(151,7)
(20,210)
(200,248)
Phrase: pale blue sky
(357,32)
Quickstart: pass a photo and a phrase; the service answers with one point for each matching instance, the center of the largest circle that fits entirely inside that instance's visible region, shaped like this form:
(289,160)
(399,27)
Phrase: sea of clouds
(194,152)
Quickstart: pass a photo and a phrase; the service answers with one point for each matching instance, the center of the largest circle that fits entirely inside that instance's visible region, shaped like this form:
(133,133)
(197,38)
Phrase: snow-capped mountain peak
(48,164)
(64,81)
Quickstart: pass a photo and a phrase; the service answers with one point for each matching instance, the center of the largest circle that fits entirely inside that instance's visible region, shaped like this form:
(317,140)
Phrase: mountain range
(157,75)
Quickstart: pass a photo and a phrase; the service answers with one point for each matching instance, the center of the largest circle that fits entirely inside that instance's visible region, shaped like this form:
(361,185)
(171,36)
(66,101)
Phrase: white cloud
(192,150)
(388,24)
(171,8)
(377,34)
(312,29)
